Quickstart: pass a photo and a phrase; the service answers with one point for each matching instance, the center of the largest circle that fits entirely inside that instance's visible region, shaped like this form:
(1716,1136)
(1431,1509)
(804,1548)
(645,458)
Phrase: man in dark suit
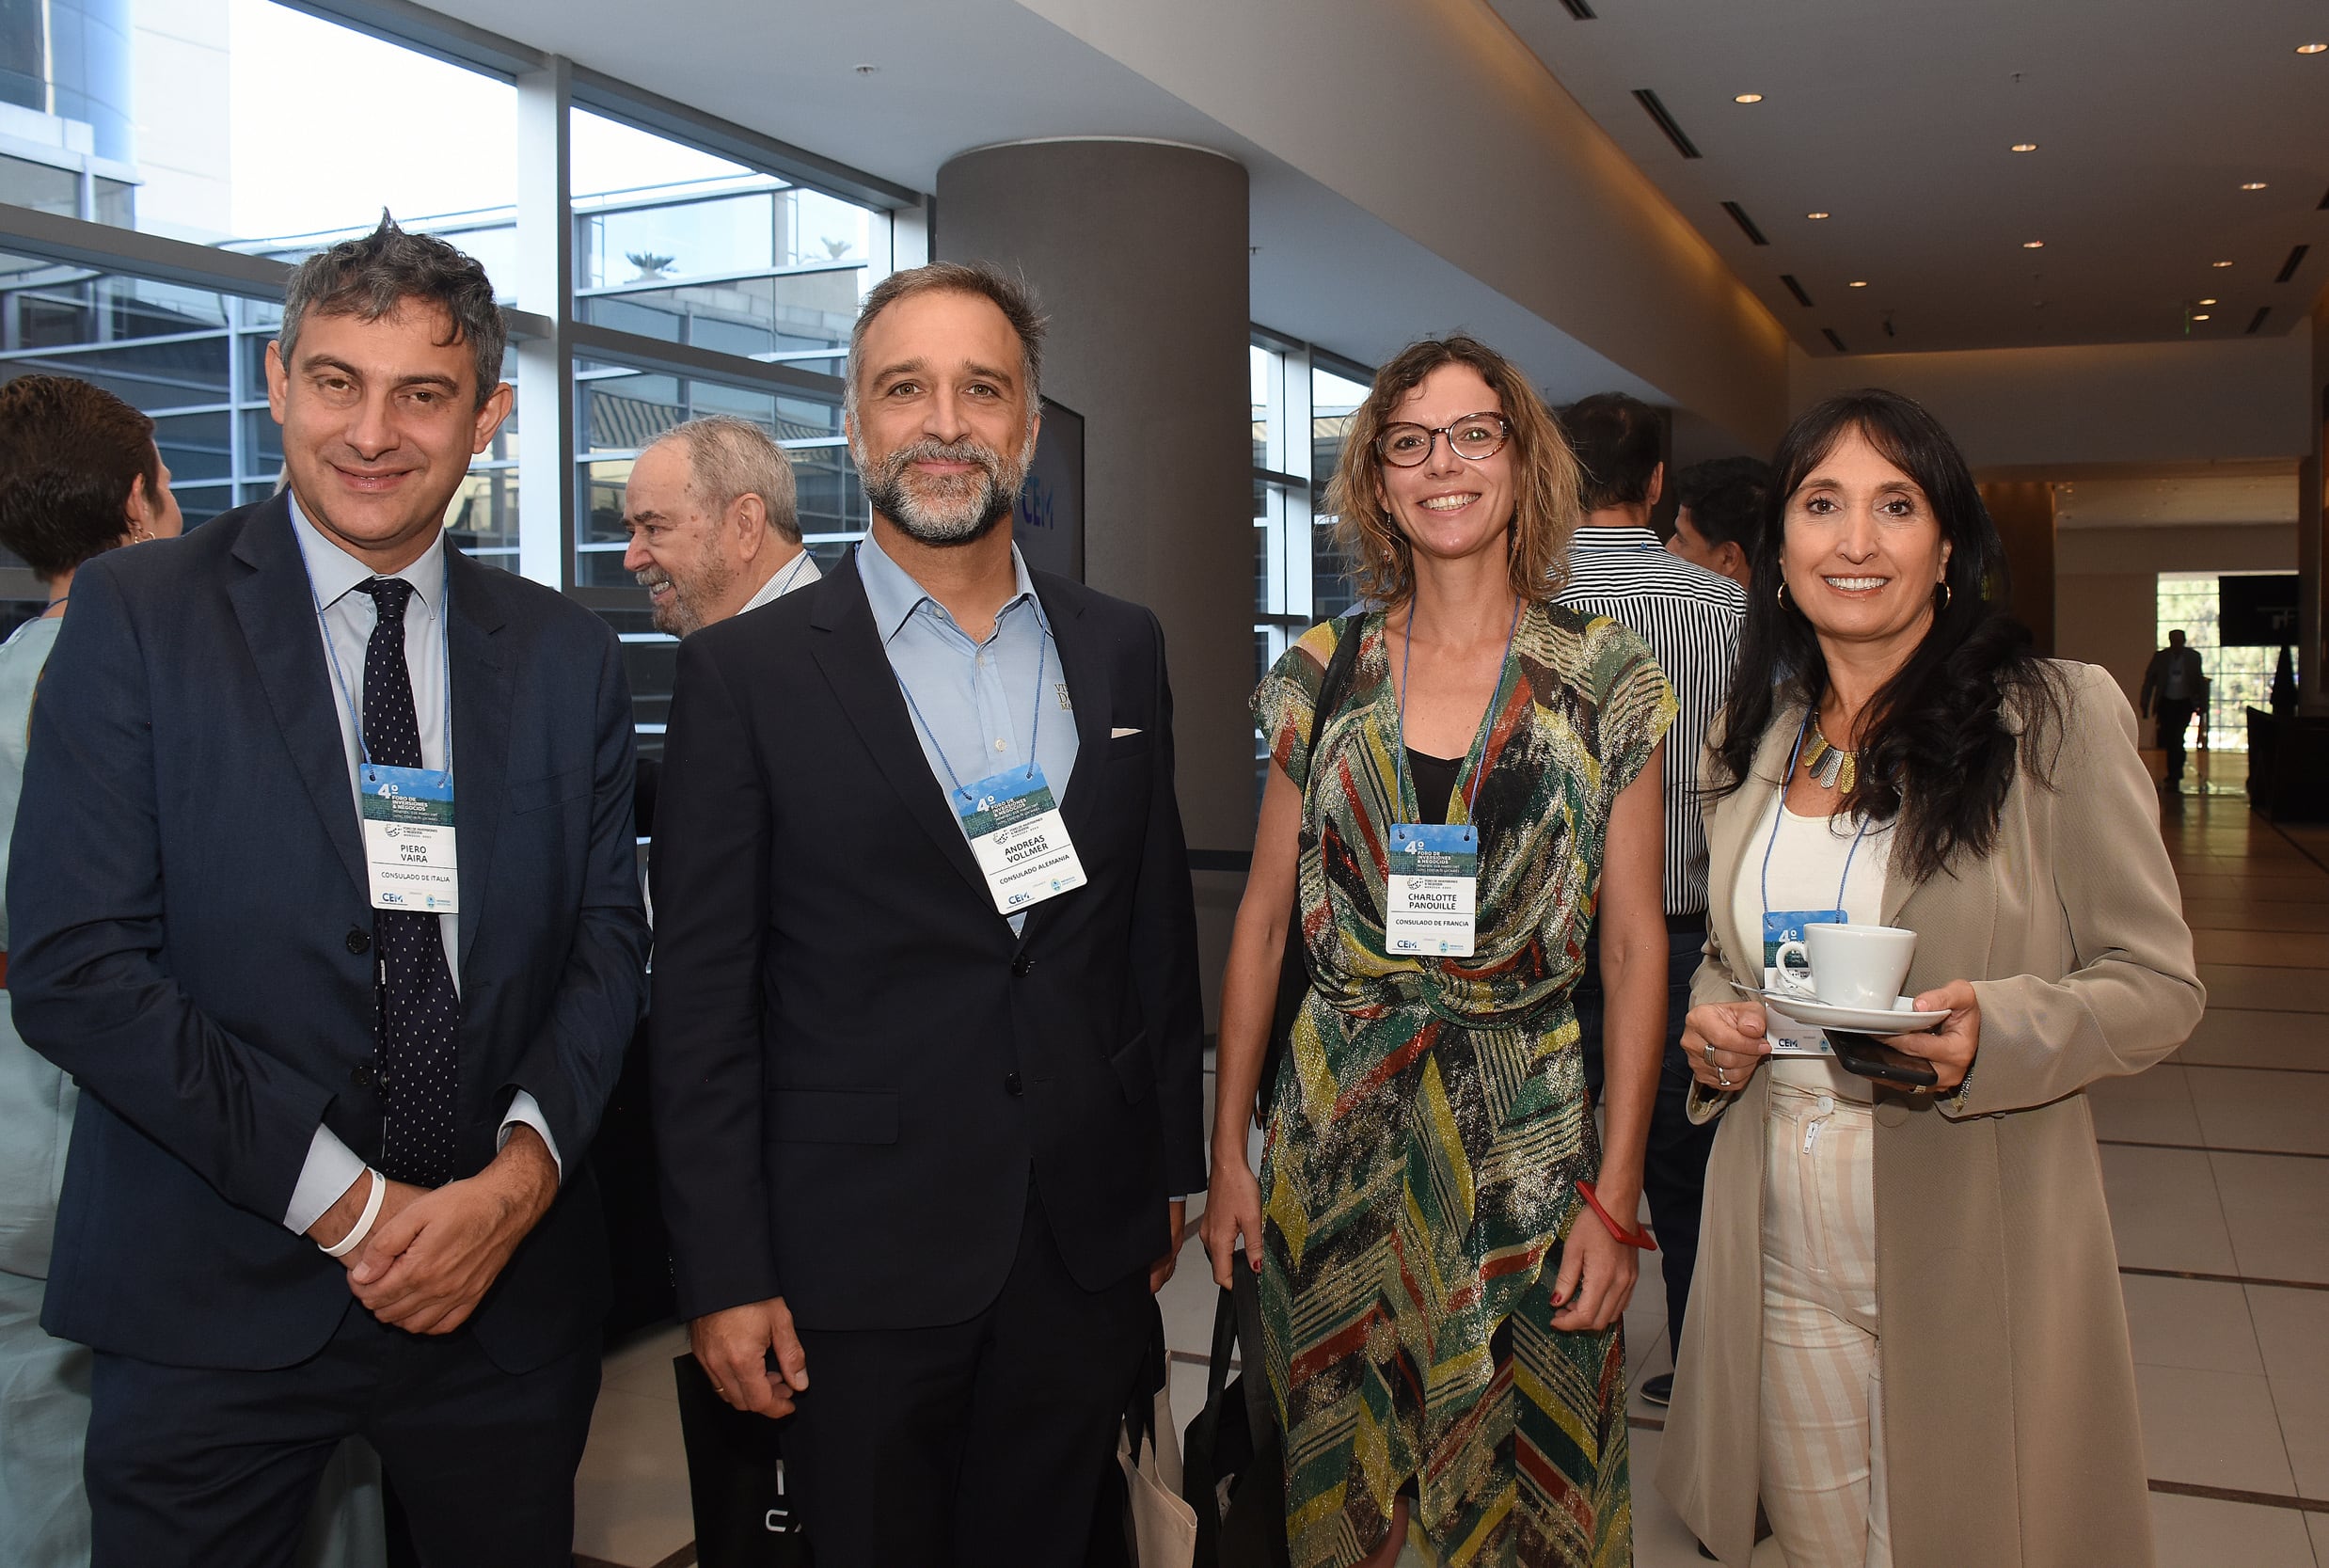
(315,1182)
(926,1037)
(2175,683)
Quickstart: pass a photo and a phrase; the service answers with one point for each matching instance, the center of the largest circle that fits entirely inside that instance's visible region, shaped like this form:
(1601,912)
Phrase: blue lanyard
(1779,814)
(340,679)
(1480,741)
(1035,731)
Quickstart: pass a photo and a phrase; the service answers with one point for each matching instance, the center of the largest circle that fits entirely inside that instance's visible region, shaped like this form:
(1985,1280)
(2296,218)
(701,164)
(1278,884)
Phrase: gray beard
(964,510)
(685,612)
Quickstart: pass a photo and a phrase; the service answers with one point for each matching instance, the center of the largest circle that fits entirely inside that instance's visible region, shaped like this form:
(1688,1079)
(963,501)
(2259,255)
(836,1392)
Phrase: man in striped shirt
(1690,619)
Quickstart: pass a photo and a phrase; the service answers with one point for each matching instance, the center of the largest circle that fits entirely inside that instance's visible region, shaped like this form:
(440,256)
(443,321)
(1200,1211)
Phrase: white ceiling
(1897,117)
(953,75)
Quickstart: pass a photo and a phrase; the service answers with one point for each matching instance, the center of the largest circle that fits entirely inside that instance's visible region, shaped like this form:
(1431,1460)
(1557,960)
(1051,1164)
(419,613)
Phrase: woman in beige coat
(1907,1337)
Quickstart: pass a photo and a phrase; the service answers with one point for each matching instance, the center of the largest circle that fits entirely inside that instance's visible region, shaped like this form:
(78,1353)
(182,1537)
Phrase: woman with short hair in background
(1907,1336)
(1440,1302)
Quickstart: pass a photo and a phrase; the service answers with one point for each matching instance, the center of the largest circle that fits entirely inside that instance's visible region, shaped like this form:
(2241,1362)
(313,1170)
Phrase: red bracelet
(1641,1239)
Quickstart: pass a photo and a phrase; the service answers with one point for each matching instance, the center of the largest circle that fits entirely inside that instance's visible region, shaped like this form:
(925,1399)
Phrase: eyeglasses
(1473,438)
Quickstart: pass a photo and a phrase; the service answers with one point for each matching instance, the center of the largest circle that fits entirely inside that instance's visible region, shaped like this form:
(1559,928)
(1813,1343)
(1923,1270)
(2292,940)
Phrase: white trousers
(1823,1390)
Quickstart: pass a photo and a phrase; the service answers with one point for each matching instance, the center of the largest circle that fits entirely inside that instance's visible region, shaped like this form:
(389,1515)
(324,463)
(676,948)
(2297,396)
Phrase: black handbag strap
(1293,972)
(1336,684)
(1260,1409)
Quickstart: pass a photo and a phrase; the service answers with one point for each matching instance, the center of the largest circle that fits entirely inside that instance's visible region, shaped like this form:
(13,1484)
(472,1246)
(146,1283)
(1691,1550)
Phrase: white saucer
(1901,1019)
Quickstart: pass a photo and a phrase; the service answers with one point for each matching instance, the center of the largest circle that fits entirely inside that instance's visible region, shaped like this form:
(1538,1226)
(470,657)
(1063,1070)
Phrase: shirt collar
(1630,538)
(334,572)
(894,595)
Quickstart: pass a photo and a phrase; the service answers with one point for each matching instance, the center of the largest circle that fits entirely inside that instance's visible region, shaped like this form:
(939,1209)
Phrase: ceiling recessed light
(1747,98)
(2253,186)
(1857,283)
(2033,244)
(2208,302)
(1815,217)
(2201,316)
(2026,146)
(2219,264)
(2313,48)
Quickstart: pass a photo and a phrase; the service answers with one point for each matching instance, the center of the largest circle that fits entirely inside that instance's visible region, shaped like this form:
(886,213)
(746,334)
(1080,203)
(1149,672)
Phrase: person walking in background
(1440,1277)
(928,1054)
(1720,505)
(1690,617)
(2175,685)
(1908,1338)
(323,888)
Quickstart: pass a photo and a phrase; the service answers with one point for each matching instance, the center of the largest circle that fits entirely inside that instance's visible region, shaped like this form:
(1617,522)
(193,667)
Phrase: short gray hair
(372,277)
(1011,295)
(729,457)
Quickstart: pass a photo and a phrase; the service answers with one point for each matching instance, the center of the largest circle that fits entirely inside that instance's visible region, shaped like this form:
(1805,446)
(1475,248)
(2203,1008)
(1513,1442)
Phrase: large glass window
(2238,678)
(703,280)
(1303,399)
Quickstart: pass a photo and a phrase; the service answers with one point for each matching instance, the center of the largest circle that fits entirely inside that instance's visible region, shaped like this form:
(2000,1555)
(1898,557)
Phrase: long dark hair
(1934,752)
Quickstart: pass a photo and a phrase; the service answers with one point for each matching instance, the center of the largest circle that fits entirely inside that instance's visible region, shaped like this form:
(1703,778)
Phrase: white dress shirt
(799,572)
(347,621)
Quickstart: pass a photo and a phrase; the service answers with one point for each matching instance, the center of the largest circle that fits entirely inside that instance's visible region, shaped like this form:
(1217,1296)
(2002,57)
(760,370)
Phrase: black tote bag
(745,1515)
(1233,1465)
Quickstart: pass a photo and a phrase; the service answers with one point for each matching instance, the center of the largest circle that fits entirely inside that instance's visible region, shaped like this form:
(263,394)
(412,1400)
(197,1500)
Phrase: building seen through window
(752,278)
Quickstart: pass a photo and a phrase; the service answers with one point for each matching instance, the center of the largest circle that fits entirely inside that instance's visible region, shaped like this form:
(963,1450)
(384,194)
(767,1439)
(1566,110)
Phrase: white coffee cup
(1851,966)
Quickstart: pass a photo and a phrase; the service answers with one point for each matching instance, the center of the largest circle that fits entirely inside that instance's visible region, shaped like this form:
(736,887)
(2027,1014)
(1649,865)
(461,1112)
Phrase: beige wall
(2106,584)
(2113,402)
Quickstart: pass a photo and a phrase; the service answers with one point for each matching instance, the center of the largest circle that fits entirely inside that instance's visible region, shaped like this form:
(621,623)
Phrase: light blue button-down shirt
(975,706)
(348,619)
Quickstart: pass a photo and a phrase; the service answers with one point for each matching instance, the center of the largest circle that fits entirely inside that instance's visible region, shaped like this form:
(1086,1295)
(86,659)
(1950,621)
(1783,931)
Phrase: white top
(1807,862)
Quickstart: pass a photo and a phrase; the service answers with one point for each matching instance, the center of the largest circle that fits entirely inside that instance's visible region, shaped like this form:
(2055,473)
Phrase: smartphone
(1871,1057)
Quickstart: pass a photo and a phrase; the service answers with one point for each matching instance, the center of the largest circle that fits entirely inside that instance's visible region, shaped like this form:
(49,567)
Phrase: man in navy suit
(324,889)
(927,1051)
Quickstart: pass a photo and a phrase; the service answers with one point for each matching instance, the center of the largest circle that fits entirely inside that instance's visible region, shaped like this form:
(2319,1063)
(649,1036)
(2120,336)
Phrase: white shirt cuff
(331,1169)
(525,1108)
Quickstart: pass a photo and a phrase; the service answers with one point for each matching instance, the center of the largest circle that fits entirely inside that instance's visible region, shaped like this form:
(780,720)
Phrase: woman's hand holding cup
(1950,1047)
(1724,1043)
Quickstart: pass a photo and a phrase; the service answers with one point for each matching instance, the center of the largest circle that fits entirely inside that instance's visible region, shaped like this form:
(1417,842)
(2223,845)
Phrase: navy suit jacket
(858,1068)
(191,928)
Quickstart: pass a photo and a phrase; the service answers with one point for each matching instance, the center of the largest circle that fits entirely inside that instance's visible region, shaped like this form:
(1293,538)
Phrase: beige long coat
(2010,1431)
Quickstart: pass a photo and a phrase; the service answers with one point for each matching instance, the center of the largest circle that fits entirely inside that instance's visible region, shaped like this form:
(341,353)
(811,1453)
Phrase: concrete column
(1138,252)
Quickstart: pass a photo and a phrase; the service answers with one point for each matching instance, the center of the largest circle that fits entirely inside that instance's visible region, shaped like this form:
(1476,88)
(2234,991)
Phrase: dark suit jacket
(856,1065)
(2155,676)
(188,903)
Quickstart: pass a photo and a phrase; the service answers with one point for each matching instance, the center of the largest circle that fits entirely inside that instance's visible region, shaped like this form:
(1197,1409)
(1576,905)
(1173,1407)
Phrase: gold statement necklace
(1831,765)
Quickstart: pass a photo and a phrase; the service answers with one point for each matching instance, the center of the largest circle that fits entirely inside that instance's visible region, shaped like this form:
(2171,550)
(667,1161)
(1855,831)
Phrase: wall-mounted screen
(1049,525)
(2257,609)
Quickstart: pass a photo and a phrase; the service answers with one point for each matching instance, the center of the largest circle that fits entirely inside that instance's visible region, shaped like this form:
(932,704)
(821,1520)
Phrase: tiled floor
(2217,1167)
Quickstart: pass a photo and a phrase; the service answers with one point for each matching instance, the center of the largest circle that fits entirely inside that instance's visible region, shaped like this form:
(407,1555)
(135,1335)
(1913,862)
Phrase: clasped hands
(1725,1043)
(432,1253)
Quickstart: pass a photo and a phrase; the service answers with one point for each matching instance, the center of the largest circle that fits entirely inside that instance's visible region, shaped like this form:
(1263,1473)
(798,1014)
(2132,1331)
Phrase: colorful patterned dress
(1425,1142)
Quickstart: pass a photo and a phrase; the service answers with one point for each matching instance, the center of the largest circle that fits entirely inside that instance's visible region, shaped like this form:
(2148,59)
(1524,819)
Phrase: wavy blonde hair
(1543,518)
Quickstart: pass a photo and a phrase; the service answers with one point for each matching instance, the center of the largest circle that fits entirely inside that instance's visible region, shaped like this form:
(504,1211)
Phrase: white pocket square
(1120,732)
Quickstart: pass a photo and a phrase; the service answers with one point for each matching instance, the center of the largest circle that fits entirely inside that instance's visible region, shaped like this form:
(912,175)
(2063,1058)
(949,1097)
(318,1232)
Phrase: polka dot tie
(420,1010)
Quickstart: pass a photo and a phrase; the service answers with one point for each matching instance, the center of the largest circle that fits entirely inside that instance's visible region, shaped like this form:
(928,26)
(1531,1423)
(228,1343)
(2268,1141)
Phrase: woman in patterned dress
(1440,1304)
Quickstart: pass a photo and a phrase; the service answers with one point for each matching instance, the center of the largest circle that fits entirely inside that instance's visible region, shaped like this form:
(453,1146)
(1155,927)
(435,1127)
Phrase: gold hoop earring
(1947,594)
(1780,595)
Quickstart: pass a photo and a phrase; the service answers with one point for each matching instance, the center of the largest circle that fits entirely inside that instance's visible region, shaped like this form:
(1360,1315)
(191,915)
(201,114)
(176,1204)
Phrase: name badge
(1435,875)
(1787,1036)
(1018,838)
(408,839)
